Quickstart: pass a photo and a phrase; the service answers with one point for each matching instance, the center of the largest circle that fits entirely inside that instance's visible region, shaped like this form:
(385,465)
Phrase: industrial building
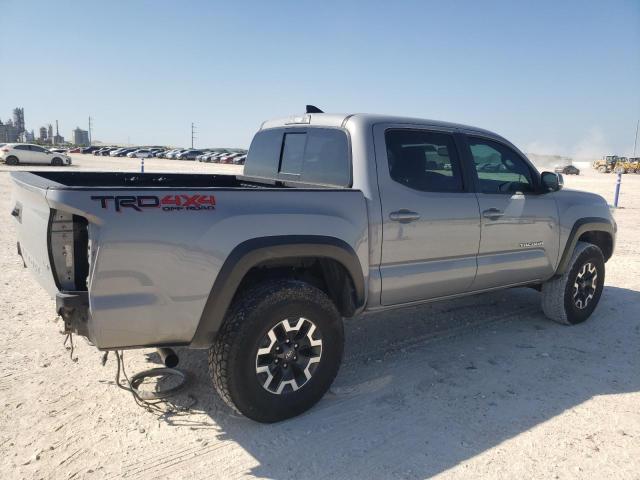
(58,139)
(12,130)
(80,137)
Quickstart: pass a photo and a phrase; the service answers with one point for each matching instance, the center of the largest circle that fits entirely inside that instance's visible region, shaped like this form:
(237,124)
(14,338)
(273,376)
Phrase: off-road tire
(558,302)
(57,162)
(12,160)
(232,357)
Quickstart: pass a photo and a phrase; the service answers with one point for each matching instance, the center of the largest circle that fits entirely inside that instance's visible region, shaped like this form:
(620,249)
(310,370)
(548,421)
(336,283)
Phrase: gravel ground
(479,387)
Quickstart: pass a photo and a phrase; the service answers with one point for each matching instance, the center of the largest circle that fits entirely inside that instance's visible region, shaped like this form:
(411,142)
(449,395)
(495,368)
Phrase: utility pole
(193,133)
(635,143)
(89,130)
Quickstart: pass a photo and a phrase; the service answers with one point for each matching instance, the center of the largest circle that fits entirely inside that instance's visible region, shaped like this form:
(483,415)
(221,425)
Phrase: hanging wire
(150,401)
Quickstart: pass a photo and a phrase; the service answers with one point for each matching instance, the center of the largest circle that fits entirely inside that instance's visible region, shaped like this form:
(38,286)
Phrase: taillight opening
(68,245)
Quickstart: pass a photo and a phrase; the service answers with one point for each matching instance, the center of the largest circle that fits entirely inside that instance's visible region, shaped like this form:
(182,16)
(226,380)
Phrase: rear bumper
(73,307)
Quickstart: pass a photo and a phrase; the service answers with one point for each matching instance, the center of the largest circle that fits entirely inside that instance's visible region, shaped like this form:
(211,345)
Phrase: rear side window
(423,160)
(309,155)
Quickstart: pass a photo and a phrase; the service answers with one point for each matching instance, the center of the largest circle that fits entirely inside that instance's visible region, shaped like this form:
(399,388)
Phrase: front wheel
(12,160)
(56,162)
(278,350)
(572,297)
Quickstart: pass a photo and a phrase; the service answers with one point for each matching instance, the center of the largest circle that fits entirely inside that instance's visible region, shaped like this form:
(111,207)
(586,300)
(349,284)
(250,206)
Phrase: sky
(552,77)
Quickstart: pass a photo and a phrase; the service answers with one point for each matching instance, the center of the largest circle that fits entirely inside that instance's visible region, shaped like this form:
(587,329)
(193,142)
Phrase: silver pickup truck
(334,215)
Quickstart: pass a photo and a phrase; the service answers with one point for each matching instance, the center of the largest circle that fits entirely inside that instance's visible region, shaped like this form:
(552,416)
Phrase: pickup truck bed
(151,246)
(66,180)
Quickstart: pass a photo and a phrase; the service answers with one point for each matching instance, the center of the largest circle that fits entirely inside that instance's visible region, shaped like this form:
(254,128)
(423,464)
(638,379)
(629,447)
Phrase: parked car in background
(123,152)
(207,156)
(90,149)
(74,150)
(140,153)
(206,153)
(188,154)
(222,158)
(567,170)
(114,153)
(105,152)
(240,160)
(15,153)
(229,158)
(101,151)
(216,158)
(172,155)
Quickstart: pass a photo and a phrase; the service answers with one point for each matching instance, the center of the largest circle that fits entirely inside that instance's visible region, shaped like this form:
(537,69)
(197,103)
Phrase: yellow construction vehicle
(625,166)
(606,164)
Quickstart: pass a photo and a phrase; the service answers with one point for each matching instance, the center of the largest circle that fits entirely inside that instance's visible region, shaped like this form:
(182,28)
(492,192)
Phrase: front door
(520,235)
(431,223)
(39,155)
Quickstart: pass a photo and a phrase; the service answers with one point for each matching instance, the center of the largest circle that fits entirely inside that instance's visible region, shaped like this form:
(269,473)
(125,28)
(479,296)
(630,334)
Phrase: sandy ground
(479,387)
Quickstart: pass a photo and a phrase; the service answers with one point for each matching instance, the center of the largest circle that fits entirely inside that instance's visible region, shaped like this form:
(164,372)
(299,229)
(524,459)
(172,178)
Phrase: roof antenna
(313,109)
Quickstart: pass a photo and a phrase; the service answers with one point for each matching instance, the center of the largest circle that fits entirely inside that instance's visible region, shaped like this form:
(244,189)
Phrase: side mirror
(551,182)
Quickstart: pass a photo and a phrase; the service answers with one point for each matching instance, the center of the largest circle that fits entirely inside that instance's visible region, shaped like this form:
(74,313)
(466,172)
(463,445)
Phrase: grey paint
(434,255)
(151,272)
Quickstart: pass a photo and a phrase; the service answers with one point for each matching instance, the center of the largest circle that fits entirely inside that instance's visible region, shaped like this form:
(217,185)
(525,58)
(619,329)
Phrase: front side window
(500,169)
(423,160)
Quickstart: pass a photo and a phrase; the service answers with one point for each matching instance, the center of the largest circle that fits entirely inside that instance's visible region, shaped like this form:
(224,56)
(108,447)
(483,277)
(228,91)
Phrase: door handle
(492,213)
(404,216)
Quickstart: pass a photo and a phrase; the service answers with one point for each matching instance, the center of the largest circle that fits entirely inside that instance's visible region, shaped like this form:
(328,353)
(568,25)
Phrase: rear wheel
(572,297)
(12,160)
(278,350)
(57,162)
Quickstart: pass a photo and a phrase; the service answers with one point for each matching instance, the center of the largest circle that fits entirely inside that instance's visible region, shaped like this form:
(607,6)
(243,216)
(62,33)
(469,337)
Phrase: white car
(15,153)
(142,153)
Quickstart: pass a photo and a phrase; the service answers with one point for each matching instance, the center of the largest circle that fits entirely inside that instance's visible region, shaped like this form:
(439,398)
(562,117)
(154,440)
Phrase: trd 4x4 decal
(167,203)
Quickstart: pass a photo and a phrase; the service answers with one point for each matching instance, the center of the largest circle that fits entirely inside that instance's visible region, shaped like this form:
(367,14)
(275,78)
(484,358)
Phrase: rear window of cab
(319,156)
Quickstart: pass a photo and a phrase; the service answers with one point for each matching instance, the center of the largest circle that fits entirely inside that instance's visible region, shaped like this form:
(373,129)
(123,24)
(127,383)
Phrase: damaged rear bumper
(73,307)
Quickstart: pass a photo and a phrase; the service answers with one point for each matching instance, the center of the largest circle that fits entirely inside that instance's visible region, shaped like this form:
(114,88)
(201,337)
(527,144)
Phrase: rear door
(520,235)
(431,222)
(23,152)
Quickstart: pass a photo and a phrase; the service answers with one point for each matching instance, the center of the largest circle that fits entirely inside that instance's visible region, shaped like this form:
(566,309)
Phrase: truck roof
(364,119)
